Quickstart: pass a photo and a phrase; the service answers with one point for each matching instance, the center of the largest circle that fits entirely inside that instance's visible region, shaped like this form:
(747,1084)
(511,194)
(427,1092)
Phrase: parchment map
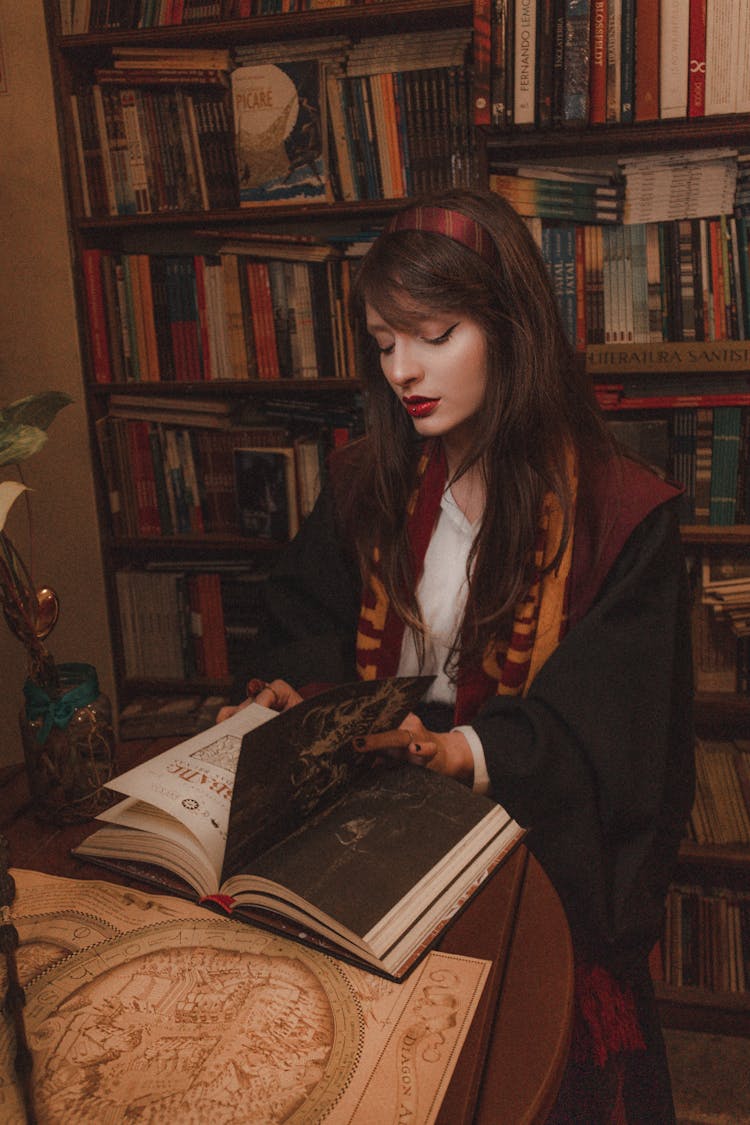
(141,1008)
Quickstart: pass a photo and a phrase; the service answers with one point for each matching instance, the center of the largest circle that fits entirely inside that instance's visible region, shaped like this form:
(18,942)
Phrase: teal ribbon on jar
(58,709)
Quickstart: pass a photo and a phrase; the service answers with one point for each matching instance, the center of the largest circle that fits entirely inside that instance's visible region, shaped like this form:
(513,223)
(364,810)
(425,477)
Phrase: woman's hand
(278,695)
(446,753)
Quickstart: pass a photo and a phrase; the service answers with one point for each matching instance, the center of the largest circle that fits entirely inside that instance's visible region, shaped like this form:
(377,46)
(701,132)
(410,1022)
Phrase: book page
(143,1006)
(292,768)
(192,783)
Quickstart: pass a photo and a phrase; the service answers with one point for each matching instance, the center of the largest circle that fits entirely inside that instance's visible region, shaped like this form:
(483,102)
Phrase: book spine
(372,154)
(80,156)
(355,136)
(673,59)
(162,496)
(627,65)
(558,61)
(722,29)
(545,22)
(482,54)
(614,60)
(641,312)
(499,69)
(698,285)
(111,313)
(697,59)
(206,354)
(684,240)
(132,278)
(524,63)
(577,48)
(580,284)
(647,40)
(135,148)
(342,146)
(104,149)
(380,136)
(151,372)
(598,82)
(97,322)
(147,512)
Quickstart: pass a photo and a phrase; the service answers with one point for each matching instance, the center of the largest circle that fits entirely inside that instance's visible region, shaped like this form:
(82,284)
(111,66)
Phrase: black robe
(596,760)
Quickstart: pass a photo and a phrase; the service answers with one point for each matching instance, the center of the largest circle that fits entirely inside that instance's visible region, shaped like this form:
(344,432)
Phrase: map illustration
(141,1008)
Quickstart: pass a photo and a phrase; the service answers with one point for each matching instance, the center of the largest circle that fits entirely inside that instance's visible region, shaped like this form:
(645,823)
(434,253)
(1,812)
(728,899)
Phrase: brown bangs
(406,274)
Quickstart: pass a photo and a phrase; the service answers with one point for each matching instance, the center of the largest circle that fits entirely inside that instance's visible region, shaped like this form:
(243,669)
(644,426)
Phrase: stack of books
(553,192)
(679,185)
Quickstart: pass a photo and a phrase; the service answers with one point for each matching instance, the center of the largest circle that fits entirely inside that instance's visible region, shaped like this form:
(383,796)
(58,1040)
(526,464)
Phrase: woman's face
(438,371)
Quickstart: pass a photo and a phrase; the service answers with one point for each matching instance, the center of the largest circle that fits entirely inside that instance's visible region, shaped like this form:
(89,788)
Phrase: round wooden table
(512,1062)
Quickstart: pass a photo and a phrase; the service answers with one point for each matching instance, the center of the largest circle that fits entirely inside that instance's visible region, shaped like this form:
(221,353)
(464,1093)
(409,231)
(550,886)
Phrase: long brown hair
(538,406)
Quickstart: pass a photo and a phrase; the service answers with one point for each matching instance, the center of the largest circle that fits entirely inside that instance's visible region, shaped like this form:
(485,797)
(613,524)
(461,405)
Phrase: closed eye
(438,340)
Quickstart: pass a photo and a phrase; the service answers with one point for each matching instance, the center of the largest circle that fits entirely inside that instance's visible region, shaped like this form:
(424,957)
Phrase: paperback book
(280,133)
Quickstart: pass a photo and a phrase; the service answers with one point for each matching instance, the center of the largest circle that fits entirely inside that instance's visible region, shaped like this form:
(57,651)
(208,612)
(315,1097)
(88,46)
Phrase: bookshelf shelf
(249,218)
(694,1009)
(204,543)
(216,388)
(615,140)
(737,535)
(718,856)
(361,18)
(722,713)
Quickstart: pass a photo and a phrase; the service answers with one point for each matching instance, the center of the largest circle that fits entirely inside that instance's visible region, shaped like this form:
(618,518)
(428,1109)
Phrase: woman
(488,531)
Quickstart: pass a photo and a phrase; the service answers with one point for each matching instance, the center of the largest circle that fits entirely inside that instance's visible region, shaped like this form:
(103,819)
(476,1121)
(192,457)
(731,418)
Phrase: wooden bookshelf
(74,58)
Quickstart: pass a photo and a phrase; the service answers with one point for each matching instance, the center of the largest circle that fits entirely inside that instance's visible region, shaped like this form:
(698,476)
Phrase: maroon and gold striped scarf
(539,621)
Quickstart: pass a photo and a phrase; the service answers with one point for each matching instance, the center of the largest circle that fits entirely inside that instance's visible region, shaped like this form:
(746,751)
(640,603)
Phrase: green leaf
(37,410)
(19,442)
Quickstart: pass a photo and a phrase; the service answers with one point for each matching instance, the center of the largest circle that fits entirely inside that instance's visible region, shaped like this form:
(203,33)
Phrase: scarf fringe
(606,1021)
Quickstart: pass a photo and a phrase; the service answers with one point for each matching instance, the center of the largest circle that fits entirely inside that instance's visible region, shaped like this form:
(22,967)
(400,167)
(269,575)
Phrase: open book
(278,819)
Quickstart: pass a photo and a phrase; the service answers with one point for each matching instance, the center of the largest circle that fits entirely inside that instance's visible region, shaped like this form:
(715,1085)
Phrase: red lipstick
(419,407)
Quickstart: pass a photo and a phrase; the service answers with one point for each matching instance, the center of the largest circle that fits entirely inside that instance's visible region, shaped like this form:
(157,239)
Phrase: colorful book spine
(97,323)
(627,67)
(697,59)
(524,63)
(577,62)
(501,67)
(598,64)
(674,28)
(647,40)
(482,60)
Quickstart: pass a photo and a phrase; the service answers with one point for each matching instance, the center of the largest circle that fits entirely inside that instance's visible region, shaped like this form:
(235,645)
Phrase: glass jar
(68,746)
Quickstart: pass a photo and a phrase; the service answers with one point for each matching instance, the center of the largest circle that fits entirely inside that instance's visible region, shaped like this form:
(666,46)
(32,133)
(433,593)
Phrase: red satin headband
(452,224)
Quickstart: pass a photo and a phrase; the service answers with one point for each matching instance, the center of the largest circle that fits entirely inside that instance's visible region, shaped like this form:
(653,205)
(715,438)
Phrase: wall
(39,351)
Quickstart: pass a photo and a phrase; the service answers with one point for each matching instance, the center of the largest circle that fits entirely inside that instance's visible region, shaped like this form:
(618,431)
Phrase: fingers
(386,740)
(401,745)
(227,712)
(278,695)
(422,753)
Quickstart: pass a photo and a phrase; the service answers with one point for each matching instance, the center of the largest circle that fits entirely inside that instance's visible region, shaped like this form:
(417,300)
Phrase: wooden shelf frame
(696,1009)
(731,130)
(360,19)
